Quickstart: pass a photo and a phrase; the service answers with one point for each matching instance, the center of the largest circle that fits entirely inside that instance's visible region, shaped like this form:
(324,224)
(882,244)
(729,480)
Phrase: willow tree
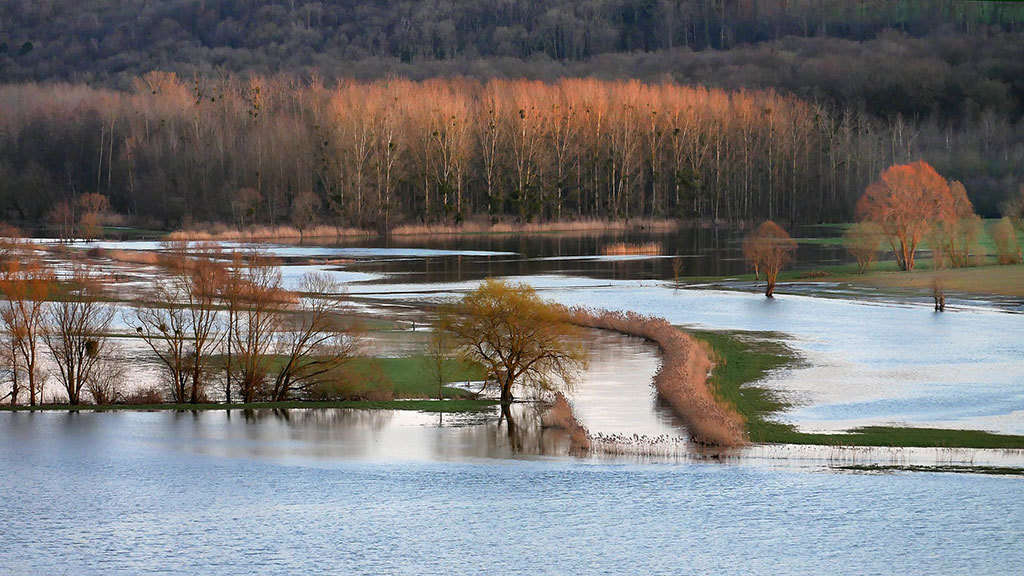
(906,201)
(768,248)
(522,340)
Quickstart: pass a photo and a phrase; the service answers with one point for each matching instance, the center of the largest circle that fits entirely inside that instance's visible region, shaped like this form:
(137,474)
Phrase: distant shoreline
(215,232)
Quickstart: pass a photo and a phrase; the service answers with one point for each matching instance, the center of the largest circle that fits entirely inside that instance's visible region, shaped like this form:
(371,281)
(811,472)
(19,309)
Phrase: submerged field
(853,368)
(744,360)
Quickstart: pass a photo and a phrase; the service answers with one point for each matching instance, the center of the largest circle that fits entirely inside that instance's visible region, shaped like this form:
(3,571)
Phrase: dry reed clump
(560,416)
(133,257)
(483,227)
(626,249)
(212,232)
(682,378)
(144,396)
(220,232)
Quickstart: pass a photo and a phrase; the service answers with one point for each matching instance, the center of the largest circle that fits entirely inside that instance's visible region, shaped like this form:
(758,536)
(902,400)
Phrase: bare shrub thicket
(1005,238)
(864,240)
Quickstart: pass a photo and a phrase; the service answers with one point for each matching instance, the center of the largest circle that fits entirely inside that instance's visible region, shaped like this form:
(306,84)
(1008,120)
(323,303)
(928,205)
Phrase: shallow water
(864,361)
(868,357)
(185,494)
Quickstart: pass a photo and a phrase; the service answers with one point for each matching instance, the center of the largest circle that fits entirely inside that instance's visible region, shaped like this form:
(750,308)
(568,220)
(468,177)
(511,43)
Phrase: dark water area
(703,251)
(166,493)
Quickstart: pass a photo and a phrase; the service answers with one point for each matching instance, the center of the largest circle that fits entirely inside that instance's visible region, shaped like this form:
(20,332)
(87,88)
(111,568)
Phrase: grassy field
(743,360)
(413,376)
(410,380)
(1000,280)
(988,278)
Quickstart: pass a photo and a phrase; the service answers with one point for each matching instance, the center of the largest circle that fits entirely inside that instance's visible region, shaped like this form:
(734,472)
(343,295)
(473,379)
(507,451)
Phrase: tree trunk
(506,392)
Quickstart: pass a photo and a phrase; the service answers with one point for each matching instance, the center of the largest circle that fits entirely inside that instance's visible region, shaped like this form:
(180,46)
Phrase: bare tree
(906,201)
(439,354)
(163,327)
(318,338)
(77,332)
(256,321)
(25,285)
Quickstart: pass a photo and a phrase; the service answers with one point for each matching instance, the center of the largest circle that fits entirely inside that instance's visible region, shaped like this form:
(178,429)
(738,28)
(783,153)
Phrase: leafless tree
(77,332)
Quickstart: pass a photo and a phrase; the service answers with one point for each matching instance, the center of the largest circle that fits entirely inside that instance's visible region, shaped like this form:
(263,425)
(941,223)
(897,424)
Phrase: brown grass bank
(626,249)
(682,378)
(561,416)
(223,232)
(586,225)
(220,232)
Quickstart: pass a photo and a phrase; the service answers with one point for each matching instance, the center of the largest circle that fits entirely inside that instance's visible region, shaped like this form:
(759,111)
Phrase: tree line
(275,151)
(217,324)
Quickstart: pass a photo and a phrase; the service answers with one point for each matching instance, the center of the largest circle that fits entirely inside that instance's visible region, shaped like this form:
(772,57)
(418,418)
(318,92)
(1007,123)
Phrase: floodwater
(185,494)
(865,357)
(393,492)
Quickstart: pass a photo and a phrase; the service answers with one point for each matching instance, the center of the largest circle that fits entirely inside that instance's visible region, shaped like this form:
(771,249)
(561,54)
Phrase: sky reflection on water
(183,494)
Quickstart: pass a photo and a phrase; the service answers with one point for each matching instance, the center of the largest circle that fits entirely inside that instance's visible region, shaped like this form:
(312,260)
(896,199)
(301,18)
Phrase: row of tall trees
(214,320)
(376,153)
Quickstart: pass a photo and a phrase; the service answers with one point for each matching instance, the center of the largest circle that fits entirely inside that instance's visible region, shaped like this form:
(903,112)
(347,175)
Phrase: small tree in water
(522,340)
(768,248)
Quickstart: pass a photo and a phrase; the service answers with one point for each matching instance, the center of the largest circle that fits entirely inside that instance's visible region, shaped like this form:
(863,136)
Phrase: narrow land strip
(743,359)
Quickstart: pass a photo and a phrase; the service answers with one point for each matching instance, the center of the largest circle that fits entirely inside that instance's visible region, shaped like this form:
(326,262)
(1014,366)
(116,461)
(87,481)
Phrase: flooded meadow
(336,488)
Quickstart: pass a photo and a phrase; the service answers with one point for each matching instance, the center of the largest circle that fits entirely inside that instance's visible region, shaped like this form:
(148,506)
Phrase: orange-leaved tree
(519,338)
(768,248)
(905,201)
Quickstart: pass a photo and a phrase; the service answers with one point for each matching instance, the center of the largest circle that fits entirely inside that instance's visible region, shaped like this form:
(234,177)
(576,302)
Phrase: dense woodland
(99,38)
(299,112)
(914,57)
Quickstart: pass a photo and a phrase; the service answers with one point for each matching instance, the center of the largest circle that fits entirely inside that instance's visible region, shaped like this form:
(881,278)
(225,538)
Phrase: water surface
(184,494)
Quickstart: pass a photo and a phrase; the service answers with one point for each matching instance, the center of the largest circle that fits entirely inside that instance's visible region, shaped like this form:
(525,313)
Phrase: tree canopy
(522,340)
(768,248)
(906,201)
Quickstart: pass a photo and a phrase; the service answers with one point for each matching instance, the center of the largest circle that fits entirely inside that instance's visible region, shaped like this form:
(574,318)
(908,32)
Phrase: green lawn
(405,377)
(414,376)
(744,359)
